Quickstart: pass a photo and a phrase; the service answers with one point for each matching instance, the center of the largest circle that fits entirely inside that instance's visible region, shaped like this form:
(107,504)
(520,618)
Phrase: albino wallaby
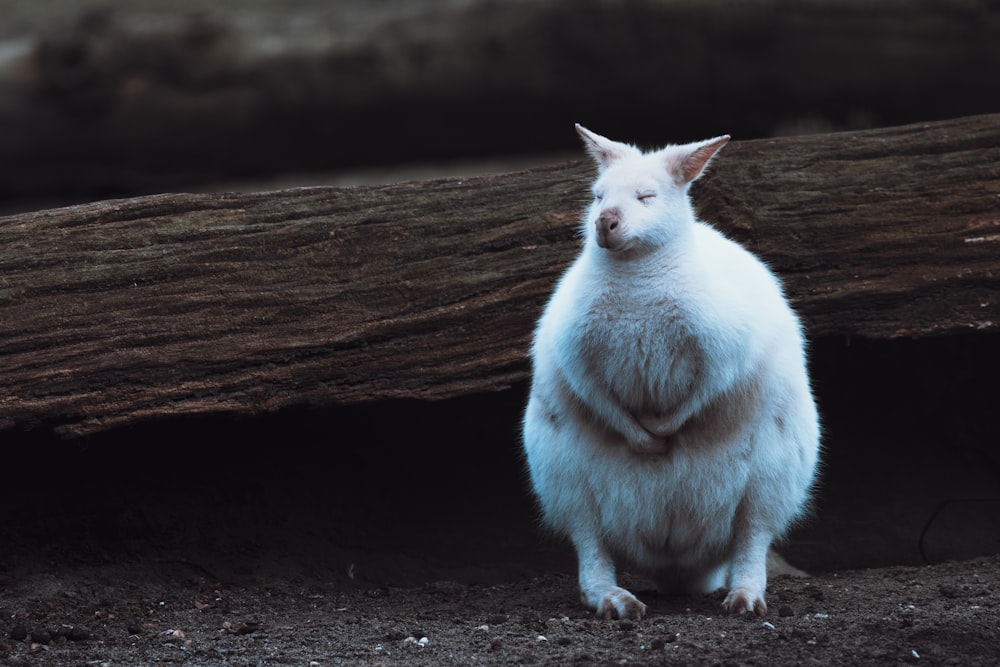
(671,427)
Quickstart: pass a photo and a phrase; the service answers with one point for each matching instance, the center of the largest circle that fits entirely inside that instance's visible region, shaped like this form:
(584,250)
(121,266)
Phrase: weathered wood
(180,304)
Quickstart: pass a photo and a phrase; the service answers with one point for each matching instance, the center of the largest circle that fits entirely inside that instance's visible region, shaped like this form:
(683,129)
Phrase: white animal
(671,427)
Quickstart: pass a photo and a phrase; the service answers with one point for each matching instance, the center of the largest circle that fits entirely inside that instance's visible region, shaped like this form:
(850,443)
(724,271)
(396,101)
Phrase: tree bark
(182,304)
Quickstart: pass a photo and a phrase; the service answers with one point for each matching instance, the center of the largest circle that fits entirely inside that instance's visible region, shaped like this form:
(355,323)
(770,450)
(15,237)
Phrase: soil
(347,536)
(178,612)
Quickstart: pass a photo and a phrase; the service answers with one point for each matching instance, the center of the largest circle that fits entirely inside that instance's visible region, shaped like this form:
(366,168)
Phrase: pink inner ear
(603,150)
(692,165)
(604,154)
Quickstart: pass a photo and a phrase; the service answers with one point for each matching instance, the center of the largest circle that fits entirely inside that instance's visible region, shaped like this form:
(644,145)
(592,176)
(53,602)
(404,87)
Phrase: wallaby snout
(608,228)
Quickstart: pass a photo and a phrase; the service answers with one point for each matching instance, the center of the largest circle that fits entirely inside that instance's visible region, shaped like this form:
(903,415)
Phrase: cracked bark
(180,304)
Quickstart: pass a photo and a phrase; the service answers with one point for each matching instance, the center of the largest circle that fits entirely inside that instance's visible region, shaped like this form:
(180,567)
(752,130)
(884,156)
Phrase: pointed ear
(603,150)
(686,163)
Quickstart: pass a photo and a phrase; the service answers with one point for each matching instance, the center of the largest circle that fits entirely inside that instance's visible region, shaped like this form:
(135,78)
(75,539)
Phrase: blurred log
(180,304)
(127,100)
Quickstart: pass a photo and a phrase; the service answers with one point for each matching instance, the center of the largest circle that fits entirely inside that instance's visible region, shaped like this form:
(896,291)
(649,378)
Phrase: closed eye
(645,197)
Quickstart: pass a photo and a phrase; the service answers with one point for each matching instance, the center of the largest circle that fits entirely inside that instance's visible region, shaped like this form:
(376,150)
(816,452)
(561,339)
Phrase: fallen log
(181,304)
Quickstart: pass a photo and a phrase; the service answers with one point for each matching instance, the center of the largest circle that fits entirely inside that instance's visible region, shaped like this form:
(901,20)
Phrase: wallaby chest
(638,338)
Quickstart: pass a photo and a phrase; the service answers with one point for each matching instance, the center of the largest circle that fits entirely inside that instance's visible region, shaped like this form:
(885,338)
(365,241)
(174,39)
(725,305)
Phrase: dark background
(106,100)
(113,98)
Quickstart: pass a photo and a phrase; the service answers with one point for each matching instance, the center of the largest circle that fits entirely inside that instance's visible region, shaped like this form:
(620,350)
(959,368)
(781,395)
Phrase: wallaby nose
(608,224)
(610,219)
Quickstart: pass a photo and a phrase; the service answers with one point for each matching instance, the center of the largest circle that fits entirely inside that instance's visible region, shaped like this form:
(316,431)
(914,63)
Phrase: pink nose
(608,224)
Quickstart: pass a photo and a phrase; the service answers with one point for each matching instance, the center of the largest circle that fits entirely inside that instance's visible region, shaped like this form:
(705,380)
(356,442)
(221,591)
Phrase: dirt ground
(176,612)
(347,536)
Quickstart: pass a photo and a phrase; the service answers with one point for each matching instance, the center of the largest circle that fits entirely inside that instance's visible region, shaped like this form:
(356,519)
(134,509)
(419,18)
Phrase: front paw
(647,444)
(742,600)
(617,603)
(660,427)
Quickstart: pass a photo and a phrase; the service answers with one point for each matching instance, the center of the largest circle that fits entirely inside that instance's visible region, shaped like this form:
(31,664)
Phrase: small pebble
(785,611)
(19,633)
(564,641)
(41,637)
(658,644)
(78,634)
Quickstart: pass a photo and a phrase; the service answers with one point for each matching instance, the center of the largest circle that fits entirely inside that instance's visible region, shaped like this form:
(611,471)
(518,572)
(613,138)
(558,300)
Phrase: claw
(620,604)
(741,600)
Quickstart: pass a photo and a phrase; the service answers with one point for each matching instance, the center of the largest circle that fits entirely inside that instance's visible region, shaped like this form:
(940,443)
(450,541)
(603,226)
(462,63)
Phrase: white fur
(671,427)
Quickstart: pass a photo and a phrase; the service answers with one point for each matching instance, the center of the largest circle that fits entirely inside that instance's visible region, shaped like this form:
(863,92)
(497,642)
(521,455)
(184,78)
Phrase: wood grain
(183,304)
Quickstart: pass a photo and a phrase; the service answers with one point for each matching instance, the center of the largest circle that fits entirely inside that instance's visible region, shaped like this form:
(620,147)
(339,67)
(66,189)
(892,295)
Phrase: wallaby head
(641,199)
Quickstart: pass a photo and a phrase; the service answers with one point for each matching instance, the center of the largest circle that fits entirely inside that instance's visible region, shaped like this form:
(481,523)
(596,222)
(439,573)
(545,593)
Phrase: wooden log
(182,304)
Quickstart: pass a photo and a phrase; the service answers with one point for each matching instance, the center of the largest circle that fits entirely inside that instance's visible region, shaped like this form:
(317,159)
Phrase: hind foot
(616,603)
(743,600)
